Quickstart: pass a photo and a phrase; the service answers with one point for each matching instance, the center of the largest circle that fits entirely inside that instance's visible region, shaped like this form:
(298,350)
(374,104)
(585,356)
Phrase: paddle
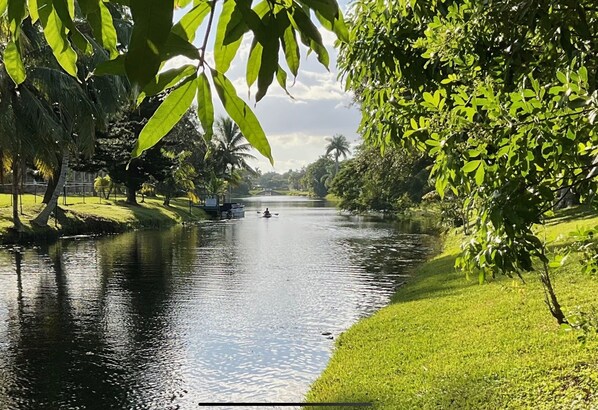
(271,213)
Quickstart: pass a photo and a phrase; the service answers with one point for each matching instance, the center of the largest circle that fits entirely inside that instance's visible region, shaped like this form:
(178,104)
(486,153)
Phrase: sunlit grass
(87,215)
(446,342)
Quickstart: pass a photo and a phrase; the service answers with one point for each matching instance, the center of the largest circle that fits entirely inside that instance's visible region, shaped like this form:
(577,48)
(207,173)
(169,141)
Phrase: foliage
(294,179)
(154,39)
(180,178)
(316,175)
(501,94)
(388,182)
(113,145)
(338,146)
(103,186)
(273,180)
(229,150)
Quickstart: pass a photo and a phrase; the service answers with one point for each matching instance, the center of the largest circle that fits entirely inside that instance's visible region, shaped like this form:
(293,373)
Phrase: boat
(232,210)
(266,215)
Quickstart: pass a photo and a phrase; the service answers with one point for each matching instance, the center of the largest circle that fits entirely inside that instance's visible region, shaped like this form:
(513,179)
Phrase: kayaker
(267,213)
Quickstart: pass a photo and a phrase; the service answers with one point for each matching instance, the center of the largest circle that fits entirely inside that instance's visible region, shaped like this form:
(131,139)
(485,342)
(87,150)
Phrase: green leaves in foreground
(155,41)
(240,112)
(172,109)
(179,100)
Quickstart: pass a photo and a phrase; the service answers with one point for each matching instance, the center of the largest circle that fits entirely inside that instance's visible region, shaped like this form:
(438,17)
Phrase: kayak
(267,216)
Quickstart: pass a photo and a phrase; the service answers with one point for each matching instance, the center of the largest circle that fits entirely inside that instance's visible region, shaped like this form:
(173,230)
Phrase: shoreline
(107,217)
(445,341)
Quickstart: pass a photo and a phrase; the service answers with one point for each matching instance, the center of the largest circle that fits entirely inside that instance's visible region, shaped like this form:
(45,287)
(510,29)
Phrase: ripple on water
(231,311)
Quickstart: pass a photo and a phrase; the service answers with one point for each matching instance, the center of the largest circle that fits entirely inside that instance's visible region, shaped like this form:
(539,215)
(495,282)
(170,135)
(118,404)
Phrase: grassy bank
(446,342)
(92,217)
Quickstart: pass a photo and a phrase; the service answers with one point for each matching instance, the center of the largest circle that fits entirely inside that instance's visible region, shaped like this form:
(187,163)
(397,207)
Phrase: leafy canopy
(275,28)
(501,94)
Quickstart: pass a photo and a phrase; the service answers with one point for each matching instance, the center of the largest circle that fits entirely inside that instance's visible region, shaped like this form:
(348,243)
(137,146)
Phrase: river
(225,311)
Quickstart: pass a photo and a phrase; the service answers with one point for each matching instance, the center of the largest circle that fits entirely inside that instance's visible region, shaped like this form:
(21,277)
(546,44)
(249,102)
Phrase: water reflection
(225,311)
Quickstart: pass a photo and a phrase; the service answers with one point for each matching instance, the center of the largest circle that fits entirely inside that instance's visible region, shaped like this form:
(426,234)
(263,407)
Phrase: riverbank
(447,342)
(93,217)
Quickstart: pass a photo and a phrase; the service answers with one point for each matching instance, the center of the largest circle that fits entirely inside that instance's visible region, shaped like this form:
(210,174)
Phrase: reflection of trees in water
(82,334)
(384,264)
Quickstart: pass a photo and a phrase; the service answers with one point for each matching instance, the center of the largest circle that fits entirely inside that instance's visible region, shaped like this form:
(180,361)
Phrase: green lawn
(95,216)
(446,342)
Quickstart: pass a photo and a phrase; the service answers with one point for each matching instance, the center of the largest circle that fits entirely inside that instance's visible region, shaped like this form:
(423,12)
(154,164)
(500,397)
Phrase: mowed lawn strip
(448,342)
(95,216)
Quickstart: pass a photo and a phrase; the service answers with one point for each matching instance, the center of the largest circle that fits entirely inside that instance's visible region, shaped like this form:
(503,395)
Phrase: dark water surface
(223,311)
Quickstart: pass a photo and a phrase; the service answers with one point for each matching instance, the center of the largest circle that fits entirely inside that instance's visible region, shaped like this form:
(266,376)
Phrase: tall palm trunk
(16,166)
(42,218)
(51,187)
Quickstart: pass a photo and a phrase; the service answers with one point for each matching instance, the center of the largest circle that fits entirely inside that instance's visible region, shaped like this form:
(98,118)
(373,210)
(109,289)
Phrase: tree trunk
(42,218)
(166,200)
(52,182)
(131,196)
(550,297)
(15,193)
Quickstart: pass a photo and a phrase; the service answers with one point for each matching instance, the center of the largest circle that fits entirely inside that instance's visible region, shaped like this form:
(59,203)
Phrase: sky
(297,128)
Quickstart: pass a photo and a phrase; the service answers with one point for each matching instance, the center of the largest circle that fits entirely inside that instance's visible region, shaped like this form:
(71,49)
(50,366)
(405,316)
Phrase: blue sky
(297,129)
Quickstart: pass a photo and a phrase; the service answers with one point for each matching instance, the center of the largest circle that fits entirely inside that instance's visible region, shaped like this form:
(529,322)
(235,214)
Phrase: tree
(230,150)
(294,179)
(50,115)
(274,26)
(502,95)
(113,145)
(388,182)
(315,176)
(338,145)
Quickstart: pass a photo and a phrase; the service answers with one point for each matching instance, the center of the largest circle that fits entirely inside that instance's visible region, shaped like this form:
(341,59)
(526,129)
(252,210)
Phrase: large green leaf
(13,63)
(172,109)
(205,107)
(268,66)
(281,77)
(55,32)
(101,23)
(177,46)
(229,33)
(241,114)
(17,11)
(31,5)
(253,62)
(166,80)
(291,49)
(153,21)
(66,11)
(190,22)
(327,8)
(310,35)
(336,25)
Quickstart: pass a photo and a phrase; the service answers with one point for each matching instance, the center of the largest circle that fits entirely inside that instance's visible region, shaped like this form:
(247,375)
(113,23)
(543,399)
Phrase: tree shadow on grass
(569,214)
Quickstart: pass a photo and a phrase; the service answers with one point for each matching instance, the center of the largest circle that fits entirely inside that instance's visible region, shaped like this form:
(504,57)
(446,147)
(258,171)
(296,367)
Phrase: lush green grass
(95,216)
(446,342)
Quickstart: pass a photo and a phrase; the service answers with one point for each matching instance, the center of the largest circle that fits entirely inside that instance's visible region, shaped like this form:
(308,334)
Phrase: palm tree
(51,115)
(230,149)
(338,145)
(82,106)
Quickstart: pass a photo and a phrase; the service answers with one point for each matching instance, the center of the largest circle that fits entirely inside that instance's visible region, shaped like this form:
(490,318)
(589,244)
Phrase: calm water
(223,311)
